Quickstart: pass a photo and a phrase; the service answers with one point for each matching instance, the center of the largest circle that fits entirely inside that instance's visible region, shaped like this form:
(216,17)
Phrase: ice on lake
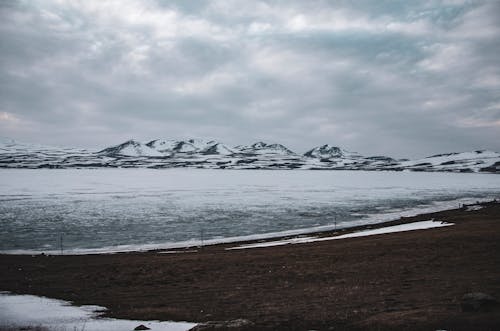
(97,210)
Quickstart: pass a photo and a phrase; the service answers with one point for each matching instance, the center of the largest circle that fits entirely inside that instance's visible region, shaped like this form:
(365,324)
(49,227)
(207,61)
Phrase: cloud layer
(401,79)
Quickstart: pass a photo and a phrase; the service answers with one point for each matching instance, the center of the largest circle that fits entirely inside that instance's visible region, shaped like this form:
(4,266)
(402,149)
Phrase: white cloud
(444,57)
(208,83)
(471,122)
(8,117)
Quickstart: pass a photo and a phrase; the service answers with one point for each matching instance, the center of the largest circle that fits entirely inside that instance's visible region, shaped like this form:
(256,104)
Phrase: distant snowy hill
(332,157)
(197,153)
(131,148)
(329,152)
(487,161)
(261,148)
(14,154)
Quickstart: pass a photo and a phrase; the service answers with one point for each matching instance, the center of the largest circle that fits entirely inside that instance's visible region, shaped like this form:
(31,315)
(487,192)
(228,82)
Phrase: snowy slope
(218,149)
(15,154)
(8,145)
(260,148)
(131,148)
(187,147)
(465,161)
(163,146)
(330,152)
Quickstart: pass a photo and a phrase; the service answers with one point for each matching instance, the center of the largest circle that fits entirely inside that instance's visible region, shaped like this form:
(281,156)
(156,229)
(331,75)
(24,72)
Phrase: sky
(396,78)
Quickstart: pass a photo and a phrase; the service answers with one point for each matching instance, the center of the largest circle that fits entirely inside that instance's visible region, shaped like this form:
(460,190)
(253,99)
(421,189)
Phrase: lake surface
(98,210)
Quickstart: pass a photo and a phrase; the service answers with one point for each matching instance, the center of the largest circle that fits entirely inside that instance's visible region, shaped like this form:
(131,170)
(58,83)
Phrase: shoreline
(410,280)
(371,222)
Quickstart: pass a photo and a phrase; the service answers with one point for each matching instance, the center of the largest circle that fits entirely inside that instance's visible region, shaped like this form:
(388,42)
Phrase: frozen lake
(122,209)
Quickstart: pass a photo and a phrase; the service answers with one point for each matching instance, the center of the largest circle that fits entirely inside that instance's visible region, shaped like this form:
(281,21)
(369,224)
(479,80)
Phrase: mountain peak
(261,147)
(132,142)
(326,152)
(217,149)
(259,144)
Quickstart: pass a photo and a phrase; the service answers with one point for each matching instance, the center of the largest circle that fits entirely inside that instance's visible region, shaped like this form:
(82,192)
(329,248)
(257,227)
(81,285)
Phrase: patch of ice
(474,207)
(179,252)
(276,243)
(30,310)
(388,229)
(391,229)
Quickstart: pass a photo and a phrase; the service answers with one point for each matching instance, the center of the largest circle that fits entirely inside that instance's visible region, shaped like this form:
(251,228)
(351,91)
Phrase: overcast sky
(396,78)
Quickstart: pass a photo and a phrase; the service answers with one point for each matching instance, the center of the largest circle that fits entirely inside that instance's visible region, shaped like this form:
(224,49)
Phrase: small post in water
(61,242)
(202,236)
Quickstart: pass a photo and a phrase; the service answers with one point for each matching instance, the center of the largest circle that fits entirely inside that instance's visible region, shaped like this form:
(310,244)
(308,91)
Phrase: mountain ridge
(211,154)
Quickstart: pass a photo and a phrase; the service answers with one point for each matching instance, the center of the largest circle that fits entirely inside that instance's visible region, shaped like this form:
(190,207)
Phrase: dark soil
(403,281)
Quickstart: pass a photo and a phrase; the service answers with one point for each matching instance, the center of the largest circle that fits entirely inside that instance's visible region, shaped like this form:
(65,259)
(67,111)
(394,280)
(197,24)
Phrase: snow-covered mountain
(196,153)
(332,157)
(329,152)
(168,148)
(261,148)
(487,161)
(131,148)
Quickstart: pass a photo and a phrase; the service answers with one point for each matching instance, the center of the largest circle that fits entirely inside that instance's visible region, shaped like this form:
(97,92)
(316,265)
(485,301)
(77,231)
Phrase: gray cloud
(401,79)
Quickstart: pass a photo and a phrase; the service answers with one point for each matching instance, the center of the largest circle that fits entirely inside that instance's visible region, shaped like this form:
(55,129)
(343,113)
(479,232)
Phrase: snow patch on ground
(389,229)
(30,310)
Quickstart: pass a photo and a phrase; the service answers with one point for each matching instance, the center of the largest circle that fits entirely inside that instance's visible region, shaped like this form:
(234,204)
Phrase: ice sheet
(111,210)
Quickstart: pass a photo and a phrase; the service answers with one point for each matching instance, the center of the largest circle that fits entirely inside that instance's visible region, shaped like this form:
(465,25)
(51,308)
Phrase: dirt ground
(403,281)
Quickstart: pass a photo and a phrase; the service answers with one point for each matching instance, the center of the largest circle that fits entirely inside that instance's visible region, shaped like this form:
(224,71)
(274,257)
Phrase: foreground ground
(401,281)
